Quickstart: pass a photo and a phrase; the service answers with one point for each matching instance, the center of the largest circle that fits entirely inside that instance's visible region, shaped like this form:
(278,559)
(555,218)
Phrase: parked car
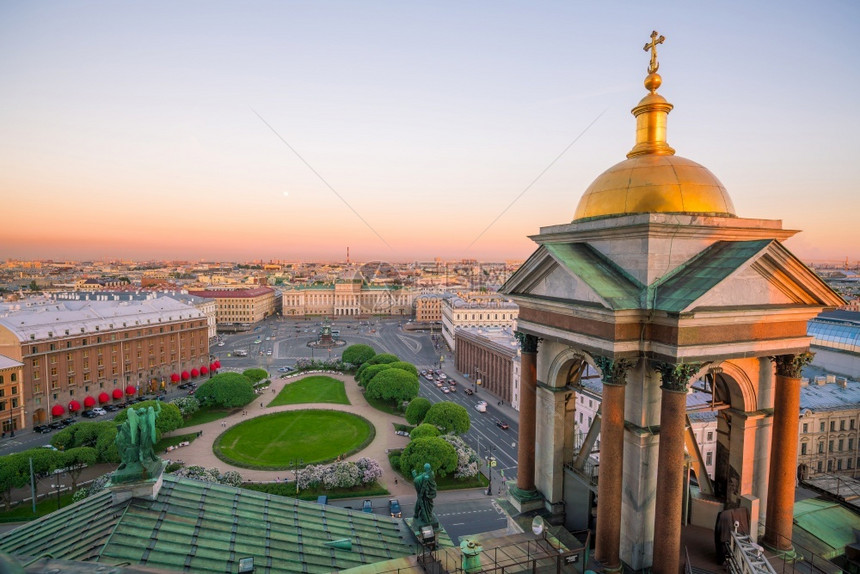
(49,446)
(502,425)
(42,429)
(99,411)
(111,408)
(68,422)
(394,508)
(89,415)
(56,425)
(285,369)
(367,506)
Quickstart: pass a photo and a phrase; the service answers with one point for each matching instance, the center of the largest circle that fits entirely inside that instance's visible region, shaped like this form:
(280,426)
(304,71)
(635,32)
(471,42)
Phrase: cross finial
(653,66)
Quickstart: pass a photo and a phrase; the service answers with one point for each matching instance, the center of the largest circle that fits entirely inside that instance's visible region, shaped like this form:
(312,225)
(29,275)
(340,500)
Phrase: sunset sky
(231,130)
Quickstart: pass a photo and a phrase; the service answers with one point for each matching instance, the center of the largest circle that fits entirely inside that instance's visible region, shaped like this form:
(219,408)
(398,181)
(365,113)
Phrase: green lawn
(314,389)
(24,511)
(206,415)
(162,445)
(273,441)
(289,489)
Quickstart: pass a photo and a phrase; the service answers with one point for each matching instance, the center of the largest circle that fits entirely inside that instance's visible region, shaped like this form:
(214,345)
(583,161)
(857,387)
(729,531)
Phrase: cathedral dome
(653,179)
(652,183)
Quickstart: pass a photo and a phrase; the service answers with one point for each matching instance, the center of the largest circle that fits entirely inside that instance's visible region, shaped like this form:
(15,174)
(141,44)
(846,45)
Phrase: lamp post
(297,463)
(491,463)
(11,423)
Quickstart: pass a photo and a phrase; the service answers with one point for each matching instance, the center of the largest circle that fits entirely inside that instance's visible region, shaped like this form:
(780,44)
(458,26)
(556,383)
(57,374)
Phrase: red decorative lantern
(204,370)
(130,390)
(185,375)
(195,372)
(57,410)
(117,393)
(74,406)
(217,364)
(104,397)
(89,402)
(174,378)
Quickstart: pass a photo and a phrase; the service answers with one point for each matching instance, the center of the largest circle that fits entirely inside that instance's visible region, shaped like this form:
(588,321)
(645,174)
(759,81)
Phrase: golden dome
(653,179)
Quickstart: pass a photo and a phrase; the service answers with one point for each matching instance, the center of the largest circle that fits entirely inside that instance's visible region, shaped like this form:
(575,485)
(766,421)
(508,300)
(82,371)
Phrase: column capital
(613,371)
(528,343)
(676,376)
(791,365)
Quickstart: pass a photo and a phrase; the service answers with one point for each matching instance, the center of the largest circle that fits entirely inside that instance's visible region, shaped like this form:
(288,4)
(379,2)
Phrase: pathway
(200,453)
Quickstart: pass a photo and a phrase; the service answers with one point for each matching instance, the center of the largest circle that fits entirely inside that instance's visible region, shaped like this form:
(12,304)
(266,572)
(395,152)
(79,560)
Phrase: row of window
(112,337)
(822,426)
(13,377)
(837,446)
(839,464)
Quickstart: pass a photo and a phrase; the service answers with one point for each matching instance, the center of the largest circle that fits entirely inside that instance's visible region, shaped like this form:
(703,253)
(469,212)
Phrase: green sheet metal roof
(824,527)
(610,282)
(197,526)
(684,285)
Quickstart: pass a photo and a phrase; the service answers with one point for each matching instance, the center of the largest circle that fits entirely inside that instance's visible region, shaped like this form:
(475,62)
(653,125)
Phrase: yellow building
(11,396)
(348,298)
(240,306)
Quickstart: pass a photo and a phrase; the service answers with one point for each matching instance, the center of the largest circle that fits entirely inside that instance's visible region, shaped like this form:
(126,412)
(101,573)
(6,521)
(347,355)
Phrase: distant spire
(653,110)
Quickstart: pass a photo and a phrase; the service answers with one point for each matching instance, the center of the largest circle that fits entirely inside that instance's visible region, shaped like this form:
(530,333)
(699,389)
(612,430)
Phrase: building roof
(42,318)
(9,363)
(830,396)
(203,527)
(231,293)
(608,280)
(839,330)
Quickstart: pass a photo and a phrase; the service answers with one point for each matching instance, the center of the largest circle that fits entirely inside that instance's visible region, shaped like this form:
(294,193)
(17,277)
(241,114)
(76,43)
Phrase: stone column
(609,485)
(783,452)
(670,466)
(528,392)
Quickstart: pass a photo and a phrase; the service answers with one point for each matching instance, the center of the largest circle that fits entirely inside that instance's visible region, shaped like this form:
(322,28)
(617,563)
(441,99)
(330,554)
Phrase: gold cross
(652,45)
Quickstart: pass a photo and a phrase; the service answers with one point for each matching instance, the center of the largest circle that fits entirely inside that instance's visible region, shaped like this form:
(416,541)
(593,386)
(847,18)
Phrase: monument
(425,488)
(135,441)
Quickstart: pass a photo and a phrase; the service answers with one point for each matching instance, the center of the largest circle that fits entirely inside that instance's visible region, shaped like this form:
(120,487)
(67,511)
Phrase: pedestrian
(395,480)
(261,405)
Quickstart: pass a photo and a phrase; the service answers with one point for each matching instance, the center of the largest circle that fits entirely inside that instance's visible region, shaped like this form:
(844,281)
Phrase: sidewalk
(468,383)
(200,453)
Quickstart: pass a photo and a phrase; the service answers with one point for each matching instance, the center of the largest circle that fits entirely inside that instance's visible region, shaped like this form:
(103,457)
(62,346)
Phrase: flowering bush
(98,484)
(467,458)
(341,474)
(187,405)
(326,365)
(230,478)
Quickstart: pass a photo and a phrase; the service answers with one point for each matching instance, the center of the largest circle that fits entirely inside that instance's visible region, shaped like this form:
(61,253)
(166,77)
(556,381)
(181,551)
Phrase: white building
(479,310)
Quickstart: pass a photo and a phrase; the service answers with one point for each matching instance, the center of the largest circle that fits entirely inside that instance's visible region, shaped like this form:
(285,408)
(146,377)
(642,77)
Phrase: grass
(273,441)
(206,415)
(314,389)
(24,511)
(289,489)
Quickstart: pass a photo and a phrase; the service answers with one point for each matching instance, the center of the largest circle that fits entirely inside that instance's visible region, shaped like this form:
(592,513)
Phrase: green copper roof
(823,527)
(678,290)
(204,527)
(613,284)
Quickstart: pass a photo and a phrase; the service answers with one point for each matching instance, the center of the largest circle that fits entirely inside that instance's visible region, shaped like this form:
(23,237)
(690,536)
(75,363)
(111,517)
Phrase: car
(470,392)
(285,369)
(89,415)
(68,422)
(184,386)
(367,506)
(221,344)
(111,408)
(446,390)
(439,384)
(394,508)
(452,388)
(502,425)
(56,425)
(99,411)
(42,429)
(49,446)
(269,352)
(401,433)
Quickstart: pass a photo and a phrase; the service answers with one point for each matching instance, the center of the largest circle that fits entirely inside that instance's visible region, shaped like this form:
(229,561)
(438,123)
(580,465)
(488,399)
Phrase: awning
(204,369)
(74,406)
(104,397)
(195,372)
(217,364)
(174,378)
(130,390)
(117,393)
(89,402)
(57,410)
(185,375)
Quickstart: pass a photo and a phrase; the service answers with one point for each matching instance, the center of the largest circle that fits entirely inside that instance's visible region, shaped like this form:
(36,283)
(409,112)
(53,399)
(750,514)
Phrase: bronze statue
(135,441)
(425,487)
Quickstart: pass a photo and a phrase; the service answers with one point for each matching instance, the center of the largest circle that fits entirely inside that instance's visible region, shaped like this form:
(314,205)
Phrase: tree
(97,435)
(383,358)
(358,354)
(441,456)
(45,462)
(169,419)
(76,460)
(417,410)
(423,430)
(255,375)
(14,473)
(404,366)
(370,372)
(449,417)
(393,385)
(230,390)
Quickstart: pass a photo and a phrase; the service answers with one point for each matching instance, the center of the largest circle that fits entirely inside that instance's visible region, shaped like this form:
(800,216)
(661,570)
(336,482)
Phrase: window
(710,436)
(821,447)
(805,428)
(842,425)
(852,424)
(850,444)
(803,448)
(709,458)
(832,426)
(829,466)
(821,429)
(819,466)
(841,444)
(830,446)
(839,464)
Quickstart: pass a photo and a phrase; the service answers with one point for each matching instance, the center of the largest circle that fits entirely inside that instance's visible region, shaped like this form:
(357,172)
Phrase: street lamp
(491,463)
(297,463)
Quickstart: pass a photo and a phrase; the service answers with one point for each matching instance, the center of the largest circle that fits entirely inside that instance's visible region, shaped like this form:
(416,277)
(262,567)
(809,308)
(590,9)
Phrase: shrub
(424,430)
(467,458)
(370,372)
(187,405)
(229,390)
(383,359)
(417,409)
(358,354)
(439,453)
(404,366)
(449,417)
(255,375)
(393,385)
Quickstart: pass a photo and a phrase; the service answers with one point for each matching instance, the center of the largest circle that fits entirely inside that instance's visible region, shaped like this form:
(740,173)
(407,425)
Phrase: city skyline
(291,131)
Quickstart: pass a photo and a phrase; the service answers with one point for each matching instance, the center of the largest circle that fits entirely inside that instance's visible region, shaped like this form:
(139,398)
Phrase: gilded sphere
(653,81)
(655,184)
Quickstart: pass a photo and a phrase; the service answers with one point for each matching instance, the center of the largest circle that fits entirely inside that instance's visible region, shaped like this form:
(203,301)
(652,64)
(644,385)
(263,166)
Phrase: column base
(524,500)
(786,555)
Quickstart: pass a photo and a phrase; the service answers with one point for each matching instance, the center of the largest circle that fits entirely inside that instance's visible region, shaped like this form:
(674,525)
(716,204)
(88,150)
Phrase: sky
(404,130)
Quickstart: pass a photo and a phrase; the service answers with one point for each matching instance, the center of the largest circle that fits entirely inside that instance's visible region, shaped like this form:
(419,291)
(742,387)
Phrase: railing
(803,560)
(745,556)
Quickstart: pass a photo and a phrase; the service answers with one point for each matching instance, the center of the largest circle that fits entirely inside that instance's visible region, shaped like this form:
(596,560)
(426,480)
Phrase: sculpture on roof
(135,441)
(425,487)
